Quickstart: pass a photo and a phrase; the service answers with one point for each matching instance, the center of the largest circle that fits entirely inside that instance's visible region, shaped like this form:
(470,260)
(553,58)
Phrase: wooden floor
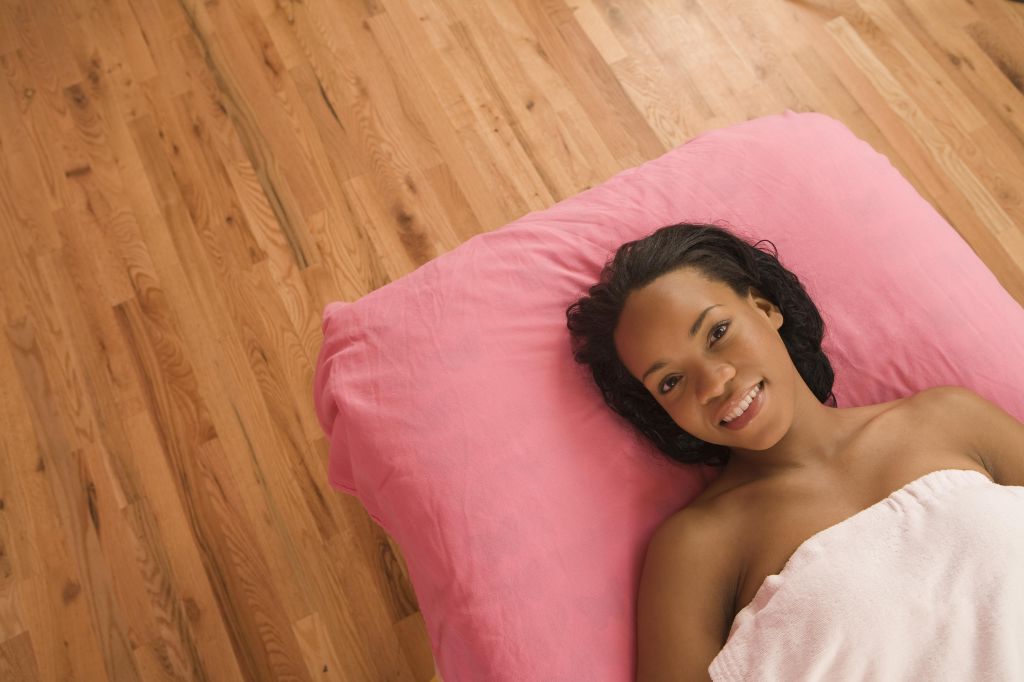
(184,184)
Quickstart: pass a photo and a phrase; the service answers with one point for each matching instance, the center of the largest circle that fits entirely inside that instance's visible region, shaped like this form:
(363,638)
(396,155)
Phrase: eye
(723,326)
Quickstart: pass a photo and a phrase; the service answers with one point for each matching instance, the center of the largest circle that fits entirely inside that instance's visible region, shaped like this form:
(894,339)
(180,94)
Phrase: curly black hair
(719,256)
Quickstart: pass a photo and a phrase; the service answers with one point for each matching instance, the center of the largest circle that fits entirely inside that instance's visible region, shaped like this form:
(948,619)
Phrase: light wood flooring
(184,184)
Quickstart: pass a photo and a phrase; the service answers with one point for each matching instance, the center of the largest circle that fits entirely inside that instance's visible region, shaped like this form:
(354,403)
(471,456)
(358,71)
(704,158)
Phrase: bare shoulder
(700,516)
(942,412)
(929,406)
(699,538)
(690,521)
(938,394)
(938,405)
(712,524)
(706,527)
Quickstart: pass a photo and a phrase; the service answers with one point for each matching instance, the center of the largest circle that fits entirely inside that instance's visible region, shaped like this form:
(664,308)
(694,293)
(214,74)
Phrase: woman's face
(734,345)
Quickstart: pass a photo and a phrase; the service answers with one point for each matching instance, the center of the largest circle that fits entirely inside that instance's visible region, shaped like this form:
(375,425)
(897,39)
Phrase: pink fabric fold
(927,584)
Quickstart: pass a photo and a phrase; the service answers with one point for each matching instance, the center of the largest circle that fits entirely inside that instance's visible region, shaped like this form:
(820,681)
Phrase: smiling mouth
(740,416)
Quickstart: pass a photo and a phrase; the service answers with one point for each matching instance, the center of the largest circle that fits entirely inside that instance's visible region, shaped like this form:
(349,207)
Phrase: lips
(735,402)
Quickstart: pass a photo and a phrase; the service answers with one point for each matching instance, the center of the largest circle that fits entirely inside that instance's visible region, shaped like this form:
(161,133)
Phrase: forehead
(683,293)
(660,315)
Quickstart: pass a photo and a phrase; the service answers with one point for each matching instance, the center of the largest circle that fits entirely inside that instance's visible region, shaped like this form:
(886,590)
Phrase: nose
(713,382)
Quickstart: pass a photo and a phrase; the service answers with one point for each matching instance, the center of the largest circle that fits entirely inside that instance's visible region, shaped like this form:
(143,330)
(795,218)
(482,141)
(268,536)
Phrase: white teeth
(744,404)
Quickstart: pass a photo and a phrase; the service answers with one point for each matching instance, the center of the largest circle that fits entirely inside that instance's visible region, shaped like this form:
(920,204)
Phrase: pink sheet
(927,584)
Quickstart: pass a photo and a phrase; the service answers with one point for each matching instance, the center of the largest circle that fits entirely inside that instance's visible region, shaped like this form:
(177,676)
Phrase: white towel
(927,584)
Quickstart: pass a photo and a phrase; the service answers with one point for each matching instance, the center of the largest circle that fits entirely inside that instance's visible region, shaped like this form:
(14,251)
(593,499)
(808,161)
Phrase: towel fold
(927,584)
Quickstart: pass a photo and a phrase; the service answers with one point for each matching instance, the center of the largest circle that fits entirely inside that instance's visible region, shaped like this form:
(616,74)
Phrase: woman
(712,350)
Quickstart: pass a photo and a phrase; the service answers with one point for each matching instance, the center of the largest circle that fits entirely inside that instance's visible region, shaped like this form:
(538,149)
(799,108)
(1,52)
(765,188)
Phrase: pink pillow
(521,503)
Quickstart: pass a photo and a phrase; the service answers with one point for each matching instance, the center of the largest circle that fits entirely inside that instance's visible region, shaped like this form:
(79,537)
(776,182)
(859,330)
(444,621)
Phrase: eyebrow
(693,331)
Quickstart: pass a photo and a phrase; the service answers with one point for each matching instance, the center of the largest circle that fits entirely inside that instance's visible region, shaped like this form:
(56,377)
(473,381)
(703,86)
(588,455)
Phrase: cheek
(688,418)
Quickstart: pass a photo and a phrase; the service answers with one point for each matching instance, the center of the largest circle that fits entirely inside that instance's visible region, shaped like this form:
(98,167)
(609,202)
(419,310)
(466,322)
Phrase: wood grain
(185,184)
